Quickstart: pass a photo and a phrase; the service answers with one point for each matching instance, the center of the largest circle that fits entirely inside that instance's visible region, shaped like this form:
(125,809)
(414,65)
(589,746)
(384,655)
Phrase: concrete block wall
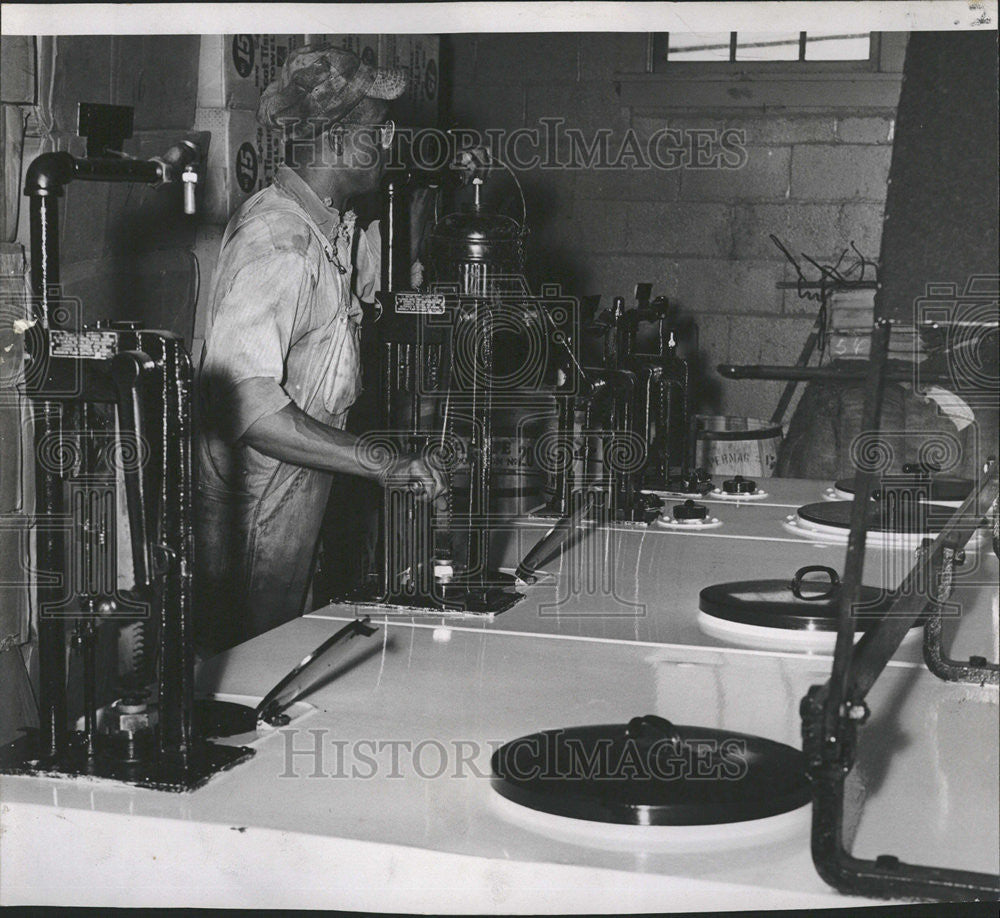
(814,177)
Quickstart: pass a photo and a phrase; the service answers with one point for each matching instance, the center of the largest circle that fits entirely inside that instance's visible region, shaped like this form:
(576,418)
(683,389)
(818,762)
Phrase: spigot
(190,179)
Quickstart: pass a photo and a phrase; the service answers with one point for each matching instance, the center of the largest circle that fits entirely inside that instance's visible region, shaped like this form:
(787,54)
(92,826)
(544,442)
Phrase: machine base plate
(205,760)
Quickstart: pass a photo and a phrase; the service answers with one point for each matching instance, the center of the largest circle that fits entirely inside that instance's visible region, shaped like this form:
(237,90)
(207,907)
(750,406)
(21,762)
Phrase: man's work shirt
(283,326)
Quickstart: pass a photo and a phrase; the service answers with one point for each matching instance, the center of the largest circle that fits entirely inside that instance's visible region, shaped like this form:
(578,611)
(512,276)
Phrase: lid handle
(636,727)
(815,569)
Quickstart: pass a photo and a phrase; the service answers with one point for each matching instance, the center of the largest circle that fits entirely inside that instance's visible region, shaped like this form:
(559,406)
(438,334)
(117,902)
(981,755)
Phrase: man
(280,367)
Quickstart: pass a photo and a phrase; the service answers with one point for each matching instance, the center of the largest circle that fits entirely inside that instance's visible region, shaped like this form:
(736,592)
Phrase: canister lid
(942,487)
(795,603)
(928,518)
(650,772)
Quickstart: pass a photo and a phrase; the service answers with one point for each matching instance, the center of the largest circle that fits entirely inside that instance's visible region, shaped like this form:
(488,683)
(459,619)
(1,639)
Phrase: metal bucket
(729,445)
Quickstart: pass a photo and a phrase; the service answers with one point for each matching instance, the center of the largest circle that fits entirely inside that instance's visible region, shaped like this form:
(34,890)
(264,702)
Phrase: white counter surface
(387,804)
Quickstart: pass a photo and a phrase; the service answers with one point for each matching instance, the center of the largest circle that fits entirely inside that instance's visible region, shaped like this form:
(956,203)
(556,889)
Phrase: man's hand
(417,274)
(412,470)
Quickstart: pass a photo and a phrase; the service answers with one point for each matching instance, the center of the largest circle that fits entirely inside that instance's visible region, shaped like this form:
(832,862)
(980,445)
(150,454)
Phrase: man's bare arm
(290,435)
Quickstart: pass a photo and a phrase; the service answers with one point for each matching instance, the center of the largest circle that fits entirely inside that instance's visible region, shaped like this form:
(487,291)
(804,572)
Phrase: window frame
(792,86)
(659,62)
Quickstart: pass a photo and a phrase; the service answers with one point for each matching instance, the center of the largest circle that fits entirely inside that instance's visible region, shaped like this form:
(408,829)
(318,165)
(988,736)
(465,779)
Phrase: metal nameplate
(420,303)
(88,345)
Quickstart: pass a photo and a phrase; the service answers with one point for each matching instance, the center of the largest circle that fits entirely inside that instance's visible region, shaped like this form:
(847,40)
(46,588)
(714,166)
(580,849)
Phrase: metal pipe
(563,460)
(146,172)
(88,651)
(395,240)
(176,646)
(769,371)
(854,562)
(50,503)
(44,217)
(127,367)
(48,174)
(415,356)
(383,545)
(486,470)
(45,180)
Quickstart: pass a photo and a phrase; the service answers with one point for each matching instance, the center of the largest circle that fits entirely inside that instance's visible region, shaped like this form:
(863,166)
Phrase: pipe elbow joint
(173,163)
(48,174)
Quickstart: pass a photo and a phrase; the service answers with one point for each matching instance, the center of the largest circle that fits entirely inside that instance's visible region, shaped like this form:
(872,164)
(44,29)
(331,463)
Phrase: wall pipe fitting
(46,179)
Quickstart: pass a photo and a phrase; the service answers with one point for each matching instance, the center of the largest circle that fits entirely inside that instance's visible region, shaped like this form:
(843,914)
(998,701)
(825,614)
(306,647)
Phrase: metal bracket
(976,671)
(829,759)
(163,558)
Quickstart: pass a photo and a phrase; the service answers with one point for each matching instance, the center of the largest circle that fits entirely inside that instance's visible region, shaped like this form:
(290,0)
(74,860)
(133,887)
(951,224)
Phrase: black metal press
(436,399)
(632,418)
(107,400)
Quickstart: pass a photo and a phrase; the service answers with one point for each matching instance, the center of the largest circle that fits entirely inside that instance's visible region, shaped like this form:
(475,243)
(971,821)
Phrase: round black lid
(476,225)
(941,487)
(837,513)
(794,604)
(651,772)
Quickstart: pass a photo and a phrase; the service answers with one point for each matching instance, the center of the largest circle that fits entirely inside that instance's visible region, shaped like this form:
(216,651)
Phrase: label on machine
(89,345)
(420,303)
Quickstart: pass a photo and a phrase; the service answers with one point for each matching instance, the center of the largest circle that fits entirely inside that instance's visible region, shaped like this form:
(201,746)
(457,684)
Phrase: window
(765,50)
(792,71)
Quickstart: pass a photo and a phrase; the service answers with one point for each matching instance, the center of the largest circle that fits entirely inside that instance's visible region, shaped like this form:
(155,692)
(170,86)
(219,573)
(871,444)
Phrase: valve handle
(689,510)
(739,485)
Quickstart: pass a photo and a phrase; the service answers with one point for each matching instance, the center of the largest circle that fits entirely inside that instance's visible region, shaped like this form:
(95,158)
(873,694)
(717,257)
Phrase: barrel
(518,480)
(729,445)
(517,483)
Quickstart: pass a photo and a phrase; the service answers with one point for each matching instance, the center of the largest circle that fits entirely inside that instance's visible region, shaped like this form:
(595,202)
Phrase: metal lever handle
(291,686)
(553,540)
